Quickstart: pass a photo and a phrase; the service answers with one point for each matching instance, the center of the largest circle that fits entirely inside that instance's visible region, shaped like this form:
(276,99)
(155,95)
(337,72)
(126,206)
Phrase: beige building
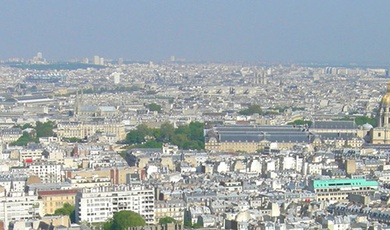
(53,200)
(254,138)
(117,175)
(171,208)
(87,129)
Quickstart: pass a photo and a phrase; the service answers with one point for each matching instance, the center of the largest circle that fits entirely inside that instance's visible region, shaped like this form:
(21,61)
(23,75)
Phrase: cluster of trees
(189,224)
(123,220)
(40,130)
(361,120)
(300,122)
(154,107)
(252,109)
(66,210)
(186,136)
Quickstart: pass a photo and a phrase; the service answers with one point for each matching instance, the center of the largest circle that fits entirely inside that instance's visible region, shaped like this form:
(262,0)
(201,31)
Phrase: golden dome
(386,98)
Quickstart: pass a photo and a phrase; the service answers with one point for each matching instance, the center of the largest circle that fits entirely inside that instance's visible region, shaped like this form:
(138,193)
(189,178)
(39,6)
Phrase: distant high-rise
(117,78)
(173,58)
(96,60)
(120,61)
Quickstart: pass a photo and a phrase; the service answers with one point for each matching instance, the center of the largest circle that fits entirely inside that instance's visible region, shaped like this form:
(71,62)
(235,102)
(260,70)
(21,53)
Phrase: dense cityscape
(112,144)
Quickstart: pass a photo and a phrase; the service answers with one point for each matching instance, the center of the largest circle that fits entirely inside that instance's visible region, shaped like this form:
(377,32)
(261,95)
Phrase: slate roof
(334,125)
(259,133)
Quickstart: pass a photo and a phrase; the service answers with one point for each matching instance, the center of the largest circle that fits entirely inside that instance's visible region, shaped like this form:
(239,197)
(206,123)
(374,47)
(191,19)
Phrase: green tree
(24,140)
(361,120)
(167,132)
(108,224)
(185,136)
(45,129)
(300,122)
(66,210)
(252,109)
(152,144)
(123,220)
(166,220)
(154,107)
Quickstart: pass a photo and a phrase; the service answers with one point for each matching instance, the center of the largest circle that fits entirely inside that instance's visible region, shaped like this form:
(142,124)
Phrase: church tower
(384,110)
(381,134)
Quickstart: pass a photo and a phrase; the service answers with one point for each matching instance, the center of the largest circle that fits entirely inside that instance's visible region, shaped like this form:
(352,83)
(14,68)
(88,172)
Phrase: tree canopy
(300,122)
(123,220)
(24,140)
(166,220)
(185,137)
(252,109)
(154,107)
(42,130)
(66,210)
(361,120)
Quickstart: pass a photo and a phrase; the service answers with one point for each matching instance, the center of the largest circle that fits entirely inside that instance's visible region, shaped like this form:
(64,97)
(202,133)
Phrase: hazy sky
(276,31)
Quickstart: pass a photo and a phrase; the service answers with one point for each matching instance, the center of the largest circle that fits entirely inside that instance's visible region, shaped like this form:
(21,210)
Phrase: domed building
(381,134)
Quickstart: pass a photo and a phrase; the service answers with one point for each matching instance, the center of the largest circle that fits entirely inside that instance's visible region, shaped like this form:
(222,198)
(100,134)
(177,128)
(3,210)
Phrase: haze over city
(179,115)
(214,31)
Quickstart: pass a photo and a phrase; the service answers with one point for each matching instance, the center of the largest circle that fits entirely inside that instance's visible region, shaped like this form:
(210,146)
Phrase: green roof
(342,183)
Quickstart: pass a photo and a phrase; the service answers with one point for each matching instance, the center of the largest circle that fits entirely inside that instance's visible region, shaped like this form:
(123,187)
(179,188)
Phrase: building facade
(97,205)
(338,189)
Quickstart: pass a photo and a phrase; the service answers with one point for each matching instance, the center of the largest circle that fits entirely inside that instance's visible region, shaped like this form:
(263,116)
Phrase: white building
(96,205)
(19,206)
(47,171)
(13,182)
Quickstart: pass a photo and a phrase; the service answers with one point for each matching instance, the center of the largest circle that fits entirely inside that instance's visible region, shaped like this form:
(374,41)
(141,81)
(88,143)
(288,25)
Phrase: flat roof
(342,183)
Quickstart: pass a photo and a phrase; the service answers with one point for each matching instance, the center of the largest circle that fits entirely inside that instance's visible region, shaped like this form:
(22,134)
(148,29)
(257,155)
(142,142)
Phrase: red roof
(57,192)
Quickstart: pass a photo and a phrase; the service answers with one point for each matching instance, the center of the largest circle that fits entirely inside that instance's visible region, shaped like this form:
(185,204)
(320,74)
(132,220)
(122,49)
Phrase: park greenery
(39,130)
(189,224)
(72,139)
(166,220)
(66,210)
(252,109)
(154,107)
(361,120)
(301,122)
(185,136)
(123,220)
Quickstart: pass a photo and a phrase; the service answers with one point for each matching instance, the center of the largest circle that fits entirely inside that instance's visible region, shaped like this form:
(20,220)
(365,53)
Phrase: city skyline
(219,31)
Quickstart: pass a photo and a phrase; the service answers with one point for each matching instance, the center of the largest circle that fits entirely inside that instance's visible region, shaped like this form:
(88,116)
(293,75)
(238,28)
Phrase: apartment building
(55,199)
(96,205)
(171,208)
(19,206)
(47,171)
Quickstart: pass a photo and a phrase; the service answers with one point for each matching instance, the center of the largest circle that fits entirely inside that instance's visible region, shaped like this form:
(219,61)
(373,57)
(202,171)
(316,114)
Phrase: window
(379,134)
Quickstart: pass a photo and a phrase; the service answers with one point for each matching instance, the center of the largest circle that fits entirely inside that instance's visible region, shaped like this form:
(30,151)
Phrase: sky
(348,31)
